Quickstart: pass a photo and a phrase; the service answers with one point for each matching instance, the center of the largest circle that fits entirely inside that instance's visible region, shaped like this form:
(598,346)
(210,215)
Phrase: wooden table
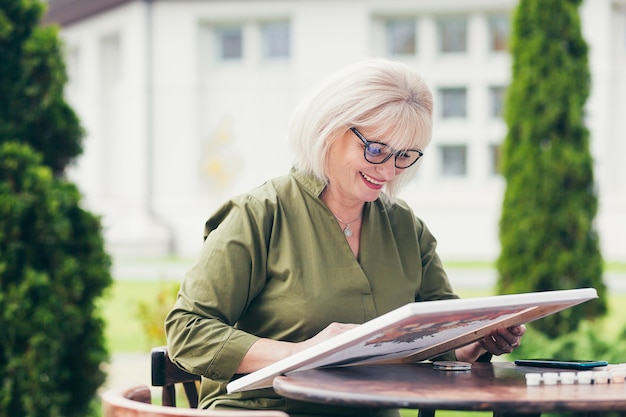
(499,387)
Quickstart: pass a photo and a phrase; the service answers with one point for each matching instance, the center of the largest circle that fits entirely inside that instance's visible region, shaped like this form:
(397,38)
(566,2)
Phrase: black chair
(166,374)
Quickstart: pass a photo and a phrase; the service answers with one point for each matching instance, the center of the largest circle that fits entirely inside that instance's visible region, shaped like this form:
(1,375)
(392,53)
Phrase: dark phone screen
(565,364)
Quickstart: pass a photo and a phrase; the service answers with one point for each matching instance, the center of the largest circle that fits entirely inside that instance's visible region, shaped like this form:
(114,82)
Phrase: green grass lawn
(120,308)
(125,332)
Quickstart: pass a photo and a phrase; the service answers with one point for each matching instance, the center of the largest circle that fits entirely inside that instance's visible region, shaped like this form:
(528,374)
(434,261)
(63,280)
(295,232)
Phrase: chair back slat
(166,374)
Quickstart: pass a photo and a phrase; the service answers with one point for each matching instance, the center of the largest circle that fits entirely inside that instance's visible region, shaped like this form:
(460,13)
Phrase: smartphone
(564,364)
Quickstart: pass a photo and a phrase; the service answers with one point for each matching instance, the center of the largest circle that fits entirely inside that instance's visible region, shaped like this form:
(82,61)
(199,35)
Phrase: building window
(276,40)
(453,102)
(400,36)
(72,59)
(229,43)
(452,34)
(498,33)
(624,24)
(111,59)
(495,159)
(496,101)
(453,160)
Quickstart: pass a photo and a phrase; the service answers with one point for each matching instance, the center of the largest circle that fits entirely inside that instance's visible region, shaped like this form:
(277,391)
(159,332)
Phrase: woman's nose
(388,168)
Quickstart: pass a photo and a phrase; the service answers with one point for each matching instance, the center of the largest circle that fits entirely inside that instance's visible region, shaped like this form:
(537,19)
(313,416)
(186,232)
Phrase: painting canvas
(420,331)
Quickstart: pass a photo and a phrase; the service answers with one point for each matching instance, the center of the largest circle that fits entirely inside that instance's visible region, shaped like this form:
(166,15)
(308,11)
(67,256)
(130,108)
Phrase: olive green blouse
(275,264)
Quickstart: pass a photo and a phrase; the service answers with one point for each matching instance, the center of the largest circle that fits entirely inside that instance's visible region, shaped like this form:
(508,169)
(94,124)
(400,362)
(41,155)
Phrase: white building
(186,102)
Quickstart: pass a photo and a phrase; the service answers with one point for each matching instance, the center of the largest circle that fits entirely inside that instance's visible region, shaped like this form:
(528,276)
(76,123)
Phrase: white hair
(388,99)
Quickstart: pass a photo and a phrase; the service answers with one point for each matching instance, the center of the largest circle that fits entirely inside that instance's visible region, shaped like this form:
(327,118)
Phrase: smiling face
(353,180)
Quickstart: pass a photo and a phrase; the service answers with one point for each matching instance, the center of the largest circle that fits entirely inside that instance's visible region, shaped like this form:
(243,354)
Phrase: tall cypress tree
(32,77)
(547,234)
(53,263)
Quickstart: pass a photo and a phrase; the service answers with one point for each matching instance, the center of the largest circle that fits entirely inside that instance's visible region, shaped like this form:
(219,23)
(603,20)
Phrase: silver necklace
(347,232)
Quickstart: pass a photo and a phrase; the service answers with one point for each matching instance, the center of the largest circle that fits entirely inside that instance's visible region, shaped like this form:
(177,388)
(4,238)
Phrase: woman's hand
(332,330)
(265,352)
(498,342)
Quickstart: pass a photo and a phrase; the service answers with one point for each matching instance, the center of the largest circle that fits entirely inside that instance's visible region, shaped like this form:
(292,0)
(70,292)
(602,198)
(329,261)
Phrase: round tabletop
(497,386)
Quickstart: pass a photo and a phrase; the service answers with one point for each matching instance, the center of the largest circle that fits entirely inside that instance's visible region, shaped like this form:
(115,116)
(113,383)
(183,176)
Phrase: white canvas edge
(262,378)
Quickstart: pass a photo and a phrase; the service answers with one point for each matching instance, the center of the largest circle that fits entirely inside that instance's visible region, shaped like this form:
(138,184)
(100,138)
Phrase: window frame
(270,38)
(393,28)
(451,171)
(447,93)
(495,159)
(220,50)
(497,95)
(499,38)
(452,34)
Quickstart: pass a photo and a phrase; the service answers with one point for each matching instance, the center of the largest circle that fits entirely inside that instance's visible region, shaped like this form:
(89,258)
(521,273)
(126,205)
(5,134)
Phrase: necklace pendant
(347,232)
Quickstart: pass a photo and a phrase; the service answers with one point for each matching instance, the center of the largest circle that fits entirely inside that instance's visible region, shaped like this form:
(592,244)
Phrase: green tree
(53,265)
(547,234)
(32,78)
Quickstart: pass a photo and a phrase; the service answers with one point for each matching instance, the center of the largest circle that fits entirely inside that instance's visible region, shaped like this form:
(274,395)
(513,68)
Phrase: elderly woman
(309,255)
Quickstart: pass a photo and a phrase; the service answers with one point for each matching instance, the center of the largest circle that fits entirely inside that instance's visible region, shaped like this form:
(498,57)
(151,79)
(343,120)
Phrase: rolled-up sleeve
(202,335)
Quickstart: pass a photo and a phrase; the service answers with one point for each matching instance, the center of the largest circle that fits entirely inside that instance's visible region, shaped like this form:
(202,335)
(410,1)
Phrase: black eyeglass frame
(393,152)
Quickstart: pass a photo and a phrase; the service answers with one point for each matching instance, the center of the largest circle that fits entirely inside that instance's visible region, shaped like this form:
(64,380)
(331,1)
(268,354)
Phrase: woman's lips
(371,182)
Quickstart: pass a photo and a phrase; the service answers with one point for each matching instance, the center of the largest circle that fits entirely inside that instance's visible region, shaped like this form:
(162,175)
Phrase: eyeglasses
(379,153)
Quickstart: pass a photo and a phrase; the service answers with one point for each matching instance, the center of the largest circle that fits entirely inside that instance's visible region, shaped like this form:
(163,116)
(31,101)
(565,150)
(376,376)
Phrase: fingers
(504,337)
(334,329)
(495,346)
(503,341)
(329,331)
(518,330)
(341,327)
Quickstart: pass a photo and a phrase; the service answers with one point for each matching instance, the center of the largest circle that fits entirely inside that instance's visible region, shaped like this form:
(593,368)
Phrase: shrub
(32,77)
(52,268)
(547,231)
(152,314)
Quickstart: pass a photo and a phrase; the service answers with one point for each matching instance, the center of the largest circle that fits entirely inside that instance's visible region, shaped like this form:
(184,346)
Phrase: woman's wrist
(471,352)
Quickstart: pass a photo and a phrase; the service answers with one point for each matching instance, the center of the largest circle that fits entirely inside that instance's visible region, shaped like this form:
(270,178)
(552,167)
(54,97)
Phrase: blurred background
(186,103)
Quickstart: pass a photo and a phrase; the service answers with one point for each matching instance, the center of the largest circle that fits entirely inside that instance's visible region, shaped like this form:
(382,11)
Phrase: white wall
(178,134)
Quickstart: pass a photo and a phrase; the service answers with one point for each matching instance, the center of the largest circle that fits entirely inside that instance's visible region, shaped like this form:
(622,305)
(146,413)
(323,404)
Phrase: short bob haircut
(388,99)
